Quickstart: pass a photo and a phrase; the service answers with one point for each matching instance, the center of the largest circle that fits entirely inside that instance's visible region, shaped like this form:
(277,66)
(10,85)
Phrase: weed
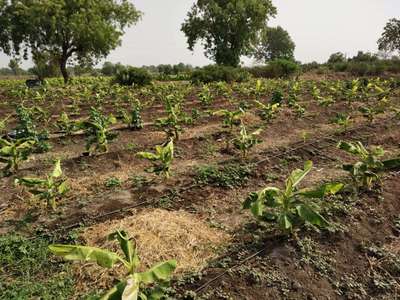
(228,176)
(28,273)
(113,182)
(312,255)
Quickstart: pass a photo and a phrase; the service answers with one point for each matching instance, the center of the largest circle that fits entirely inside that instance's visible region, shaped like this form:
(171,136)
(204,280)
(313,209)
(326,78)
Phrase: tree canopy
(275,43)
(390,40)
(228,29)
(85,30)
(337,57)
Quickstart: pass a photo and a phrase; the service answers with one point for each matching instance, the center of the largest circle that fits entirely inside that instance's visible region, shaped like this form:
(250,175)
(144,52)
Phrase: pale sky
(318,27)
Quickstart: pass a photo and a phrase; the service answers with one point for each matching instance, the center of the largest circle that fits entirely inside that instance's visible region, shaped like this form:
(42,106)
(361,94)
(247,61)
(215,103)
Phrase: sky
(318,27)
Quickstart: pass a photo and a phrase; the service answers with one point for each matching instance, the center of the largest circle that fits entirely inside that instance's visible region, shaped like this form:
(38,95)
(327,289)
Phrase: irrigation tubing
(87,221)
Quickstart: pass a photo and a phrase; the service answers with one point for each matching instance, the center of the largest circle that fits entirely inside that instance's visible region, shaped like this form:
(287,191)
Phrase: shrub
(358,69)
(377,68)
(276,69)
(214,73)
(393,66)
(310,66)
(133,76)
(339,67)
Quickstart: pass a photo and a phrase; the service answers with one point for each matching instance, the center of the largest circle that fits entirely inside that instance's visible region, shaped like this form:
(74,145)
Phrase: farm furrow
(325,156)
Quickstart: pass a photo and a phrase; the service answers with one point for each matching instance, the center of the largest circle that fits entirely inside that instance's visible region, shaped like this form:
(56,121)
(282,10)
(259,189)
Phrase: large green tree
(390,40)
(84,30)
(275,43)
(228,29)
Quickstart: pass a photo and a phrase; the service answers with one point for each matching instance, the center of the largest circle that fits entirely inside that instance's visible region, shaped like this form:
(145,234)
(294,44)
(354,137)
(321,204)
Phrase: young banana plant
(50,189)
(133,118)
(244,142)
(267,111)
(13,152)
(259,89)
(26,129)
(171,124)
(66,125)
(230,118)
(129,288)
(343,121)
(98,132)
(205,95)
(161,159)
(367,171)
(291,206)
(370,112)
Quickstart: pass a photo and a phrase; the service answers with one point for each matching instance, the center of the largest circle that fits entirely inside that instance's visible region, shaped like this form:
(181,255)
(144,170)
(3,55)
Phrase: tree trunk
(63,68)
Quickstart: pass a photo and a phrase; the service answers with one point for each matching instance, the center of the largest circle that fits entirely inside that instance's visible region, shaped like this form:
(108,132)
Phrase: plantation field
(229,140)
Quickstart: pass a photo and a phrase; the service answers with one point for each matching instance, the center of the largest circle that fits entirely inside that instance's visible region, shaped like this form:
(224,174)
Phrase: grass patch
(28,271)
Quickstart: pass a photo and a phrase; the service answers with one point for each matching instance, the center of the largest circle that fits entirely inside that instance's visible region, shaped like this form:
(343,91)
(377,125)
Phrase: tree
(108,69)
(364,57)
(227,28)
(14,65)
(390,40)
(275,43)
(337,57)
(64,29)
(46,65)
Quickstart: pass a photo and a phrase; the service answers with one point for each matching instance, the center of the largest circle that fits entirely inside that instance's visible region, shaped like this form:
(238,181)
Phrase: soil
(309,265)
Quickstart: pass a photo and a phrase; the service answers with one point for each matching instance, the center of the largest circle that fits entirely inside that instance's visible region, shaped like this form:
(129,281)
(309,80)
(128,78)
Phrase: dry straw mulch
(160,235)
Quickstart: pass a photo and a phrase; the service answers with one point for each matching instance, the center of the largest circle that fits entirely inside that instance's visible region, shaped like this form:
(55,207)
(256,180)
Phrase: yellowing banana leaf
(103,258)
(160,272)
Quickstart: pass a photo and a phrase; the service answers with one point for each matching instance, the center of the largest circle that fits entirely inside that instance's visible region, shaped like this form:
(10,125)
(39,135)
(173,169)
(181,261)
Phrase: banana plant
(244,142)
(342,120)
(50,189)
(13,152)
(370,112)
(325,101)
(66,125)
(97,131)
(205,95)
(291,207)
(26,129)
(277,97)
(268,111)
(161,159)
(133,118)
(259,89)
(367,171)
(352,90)
(230,118)
(131,286)
(171,124)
